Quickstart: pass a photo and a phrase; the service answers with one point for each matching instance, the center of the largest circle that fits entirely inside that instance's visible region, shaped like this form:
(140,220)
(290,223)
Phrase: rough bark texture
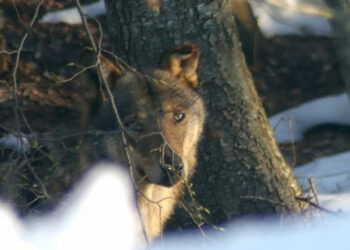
(341,28)
(240,169)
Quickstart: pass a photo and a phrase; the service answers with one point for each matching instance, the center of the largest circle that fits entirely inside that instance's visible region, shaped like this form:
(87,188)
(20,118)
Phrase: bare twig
(77,74)
(17,109)
(8,52)
(312,183)
(292,140)
(87,29)
(17,12)
(112,99)
(308,201)
(18,56)
(119,60)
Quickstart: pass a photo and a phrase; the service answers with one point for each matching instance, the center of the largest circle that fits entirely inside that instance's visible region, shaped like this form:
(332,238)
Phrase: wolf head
(162,116)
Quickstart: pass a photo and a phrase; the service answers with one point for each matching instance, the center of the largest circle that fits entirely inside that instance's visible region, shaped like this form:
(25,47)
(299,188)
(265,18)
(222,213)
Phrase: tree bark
(240,169)
(341,28)
(253,41)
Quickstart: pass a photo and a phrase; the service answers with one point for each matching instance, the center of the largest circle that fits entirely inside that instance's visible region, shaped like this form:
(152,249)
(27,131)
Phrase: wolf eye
(178,117)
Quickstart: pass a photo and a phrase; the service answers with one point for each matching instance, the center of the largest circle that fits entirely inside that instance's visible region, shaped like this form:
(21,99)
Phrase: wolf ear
(109,69)
(87,84)
(181,62)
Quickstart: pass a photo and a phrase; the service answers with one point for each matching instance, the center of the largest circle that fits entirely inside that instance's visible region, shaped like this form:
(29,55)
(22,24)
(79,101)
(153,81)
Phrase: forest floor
(293,70)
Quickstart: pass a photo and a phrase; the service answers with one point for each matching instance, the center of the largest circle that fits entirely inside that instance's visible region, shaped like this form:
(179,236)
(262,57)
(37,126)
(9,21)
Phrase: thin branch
(18,56)
(112,99)
(2,51)
(312,183)
(308,201)
(119,60)
(17,109)
(292,140)
(77,74)
(84,21)
(17,12)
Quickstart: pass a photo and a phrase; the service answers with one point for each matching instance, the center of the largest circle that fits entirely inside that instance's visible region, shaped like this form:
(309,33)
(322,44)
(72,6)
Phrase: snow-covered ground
(332,177)
(71,15)
(298,17)
(329,233)
(99,214)
(332,174)
(290,125)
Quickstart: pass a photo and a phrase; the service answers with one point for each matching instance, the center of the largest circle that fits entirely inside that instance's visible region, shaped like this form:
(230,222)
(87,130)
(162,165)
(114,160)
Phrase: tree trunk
(253,42)
(340,23)
(240,169)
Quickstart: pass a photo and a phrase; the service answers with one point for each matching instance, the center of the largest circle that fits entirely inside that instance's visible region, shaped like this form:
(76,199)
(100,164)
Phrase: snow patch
(99,214)
(285,18)
(19,142)
(71,16)
(329,233)
(291,124)
(332,176)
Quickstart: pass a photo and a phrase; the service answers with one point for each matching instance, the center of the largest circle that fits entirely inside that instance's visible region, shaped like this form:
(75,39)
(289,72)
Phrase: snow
(99,214)
(285,17)
(19,142)
(11,229)
(332,176)
(275,17)
(291,124)
(330,234)
(71,16)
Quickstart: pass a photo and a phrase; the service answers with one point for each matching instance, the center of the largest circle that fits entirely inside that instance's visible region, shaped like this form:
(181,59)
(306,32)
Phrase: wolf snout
(173,168)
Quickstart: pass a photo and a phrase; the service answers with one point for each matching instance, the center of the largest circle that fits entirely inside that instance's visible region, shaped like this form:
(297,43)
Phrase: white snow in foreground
(332,176)
(99,214)
(71,16)
(291,124)
(329,233)
(11,230)
(287,18)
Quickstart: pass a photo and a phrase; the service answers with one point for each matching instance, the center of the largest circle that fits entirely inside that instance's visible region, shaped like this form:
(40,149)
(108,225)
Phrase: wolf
(151,125)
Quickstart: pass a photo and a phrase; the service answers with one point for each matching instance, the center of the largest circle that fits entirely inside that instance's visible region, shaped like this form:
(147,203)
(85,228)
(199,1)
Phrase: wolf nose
(172,163)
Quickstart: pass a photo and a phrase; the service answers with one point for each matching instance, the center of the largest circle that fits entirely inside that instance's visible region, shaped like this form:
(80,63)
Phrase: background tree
(252,40)
(341,28)
(240,170)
